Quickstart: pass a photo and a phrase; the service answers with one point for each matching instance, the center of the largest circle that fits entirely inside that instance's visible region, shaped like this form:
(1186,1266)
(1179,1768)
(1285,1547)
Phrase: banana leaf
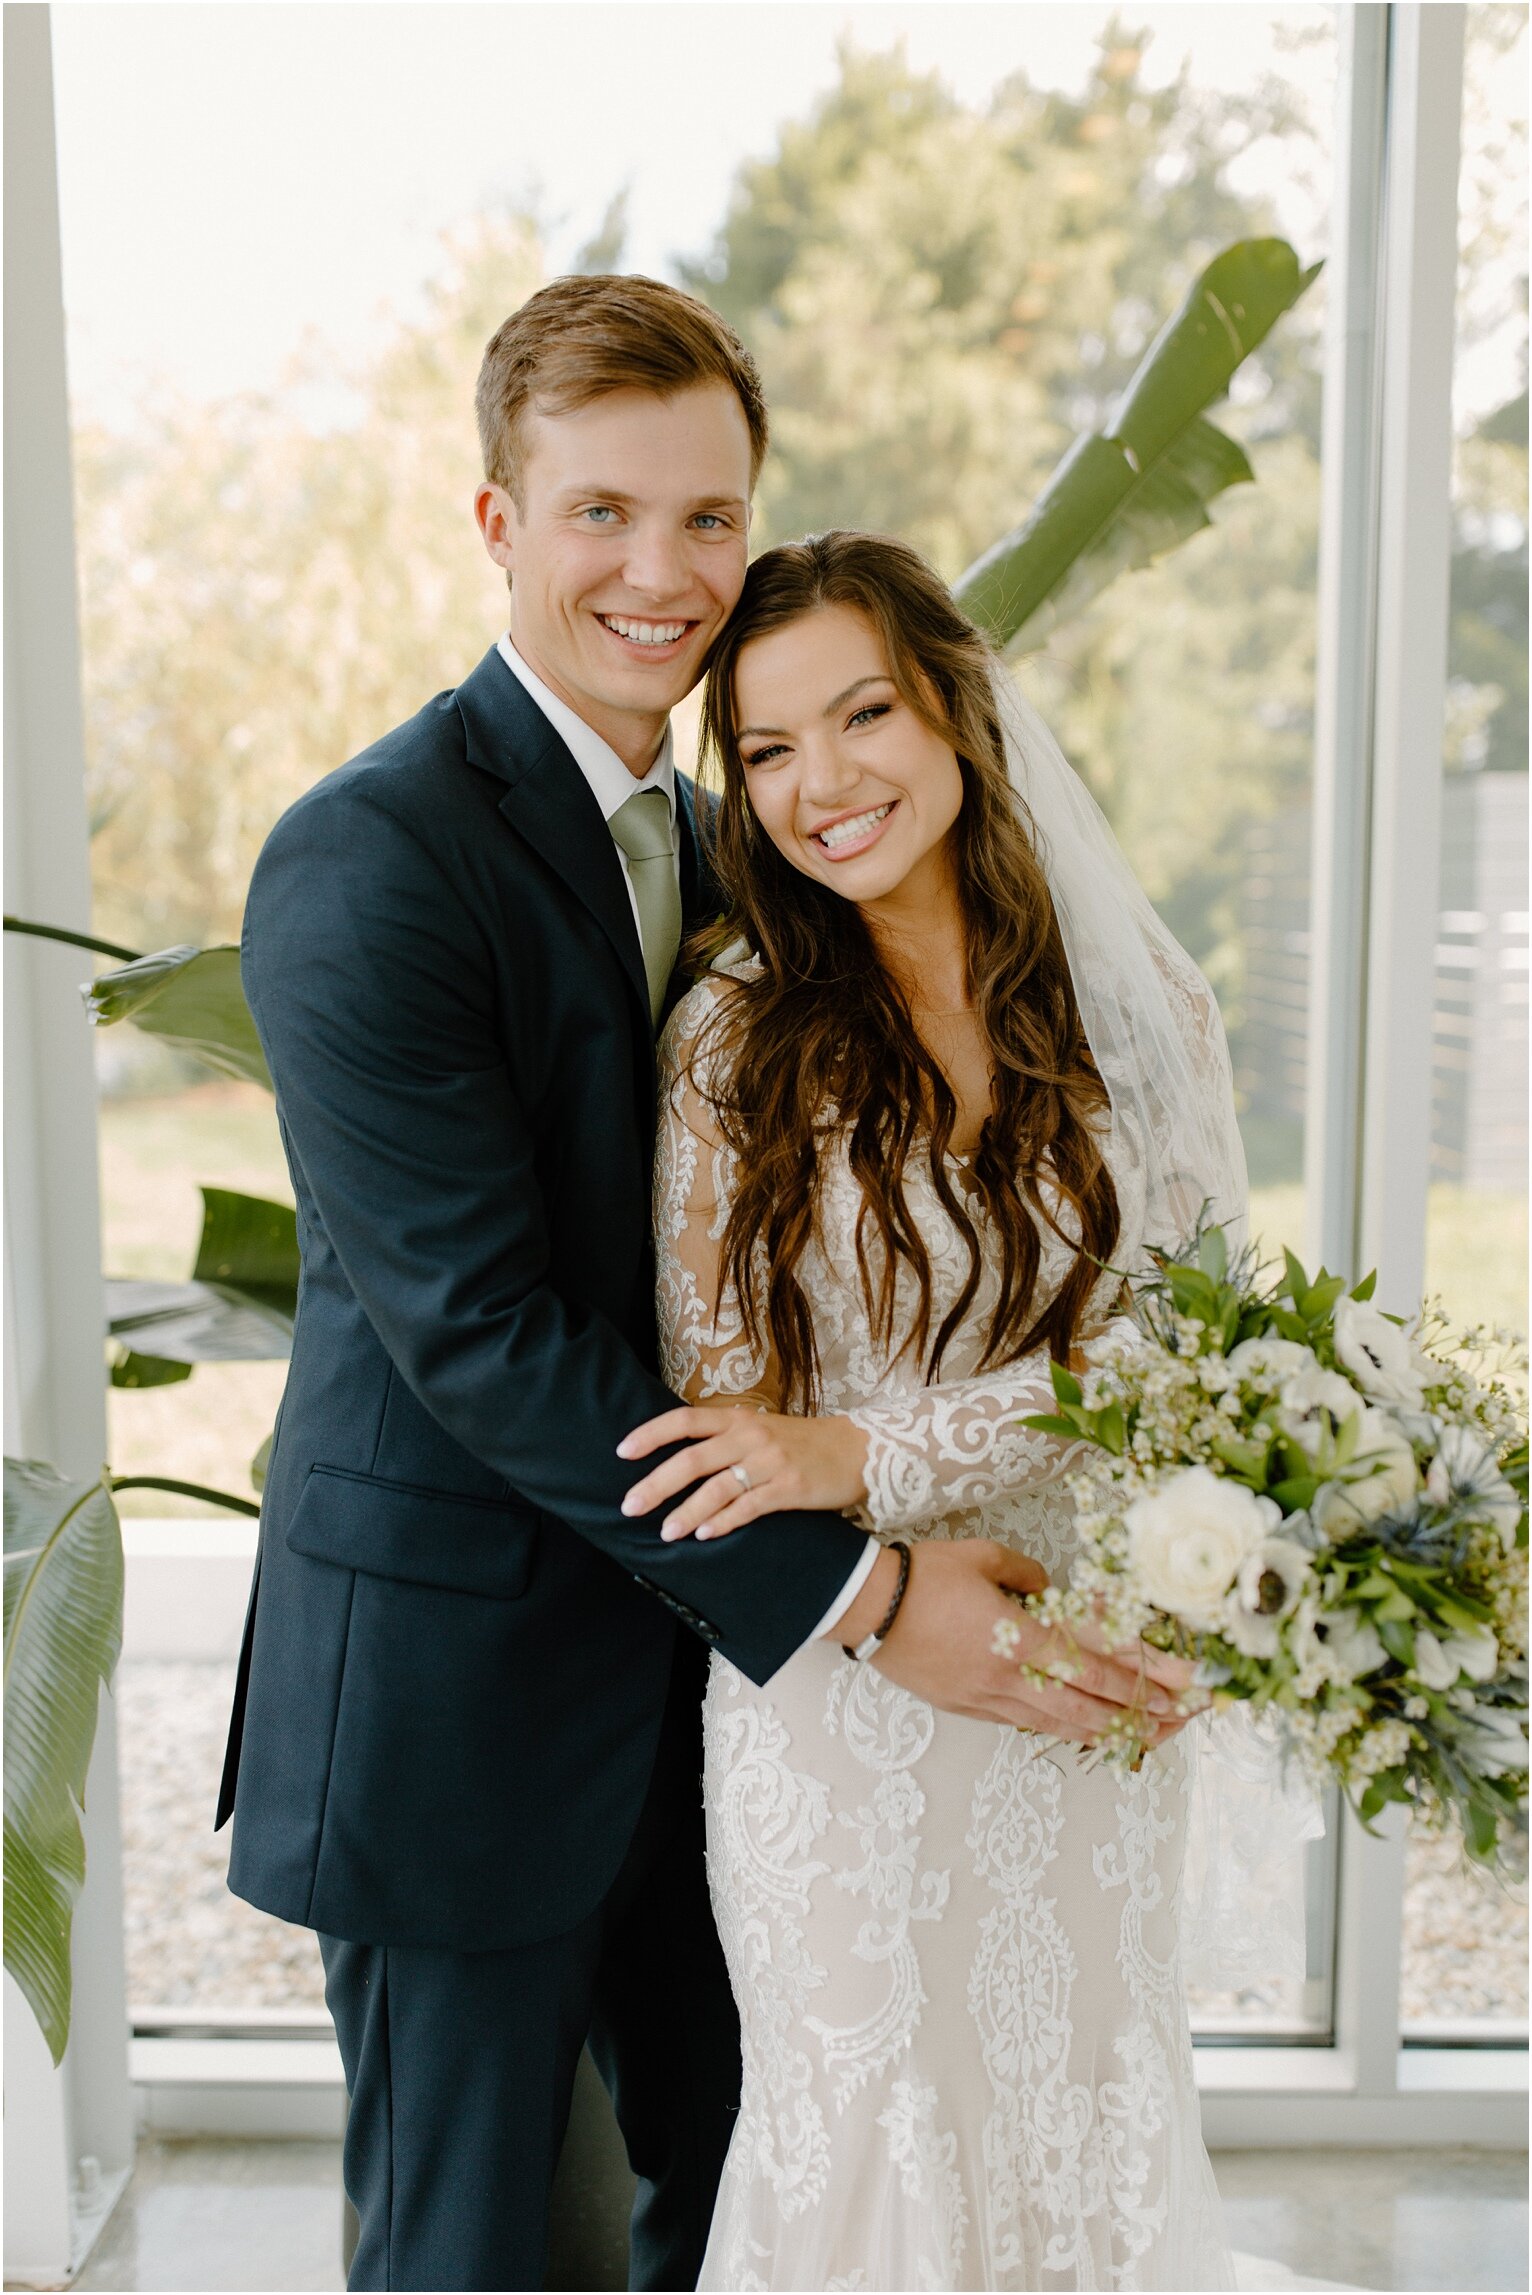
(190,997)
(260,1463)
(63,1631)
(1124,495)
(238,1307)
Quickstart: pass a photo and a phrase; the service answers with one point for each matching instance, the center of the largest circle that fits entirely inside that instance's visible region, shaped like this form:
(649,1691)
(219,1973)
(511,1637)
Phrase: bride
(950,1074)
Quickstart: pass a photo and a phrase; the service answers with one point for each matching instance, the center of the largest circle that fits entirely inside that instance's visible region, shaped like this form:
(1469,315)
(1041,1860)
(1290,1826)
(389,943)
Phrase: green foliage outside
(942,297)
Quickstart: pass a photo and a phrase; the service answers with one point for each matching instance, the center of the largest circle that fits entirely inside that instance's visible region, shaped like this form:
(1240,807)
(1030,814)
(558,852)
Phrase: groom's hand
(941,1646)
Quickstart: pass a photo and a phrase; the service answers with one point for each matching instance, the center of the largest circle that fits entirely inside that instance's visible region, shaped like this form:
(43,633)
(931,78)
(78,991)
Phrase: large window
(949,239)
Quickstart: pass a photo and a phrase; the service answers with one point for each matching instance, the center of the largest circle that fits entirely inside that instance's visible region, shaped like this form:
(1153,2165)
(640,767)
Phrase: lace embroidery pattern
(966,2062)
(886,1731)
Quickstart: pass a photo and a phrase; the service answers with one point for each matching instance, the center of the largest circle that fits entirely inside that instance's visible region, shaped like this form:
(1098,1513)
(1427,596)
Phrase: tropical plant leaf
(1124,495)
(189,997)
(133,1370)
(63,1632)
(238,1307)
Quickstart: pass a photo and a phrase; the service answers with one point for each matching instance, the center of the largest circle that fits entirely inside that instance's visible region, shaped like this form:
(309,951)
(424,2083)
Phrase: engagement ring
(741,1475)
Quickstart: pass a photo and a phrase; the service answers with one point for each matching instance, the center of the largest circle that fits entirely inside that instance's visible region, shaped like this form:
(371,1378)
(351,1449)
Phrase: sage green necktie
(642,829)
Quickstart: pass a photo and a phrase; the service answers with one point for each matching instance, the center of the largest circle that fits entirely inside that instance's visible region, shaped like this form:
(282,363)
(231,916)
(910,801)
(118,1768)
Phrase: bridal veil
(1158,1041)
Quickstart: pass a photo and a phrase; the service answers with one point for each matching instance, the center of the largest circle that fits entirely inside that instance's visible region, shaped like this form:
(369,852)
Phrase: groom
(465,1745)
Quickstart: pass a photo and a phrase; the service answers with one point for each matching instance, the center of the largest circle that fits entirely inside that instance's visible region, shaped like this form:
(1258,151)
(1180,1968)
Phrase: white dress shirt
(606,776)
(611,784)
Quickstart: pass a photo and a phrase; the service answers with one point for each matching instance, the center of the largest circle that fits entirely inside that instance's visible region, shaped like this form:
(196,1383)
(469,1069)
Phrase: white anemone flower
(1383,1359)
(1388,1485)
(1464,1467)
(1187,1539)
(1353,1646)
(1267,1589)
(1312,1390)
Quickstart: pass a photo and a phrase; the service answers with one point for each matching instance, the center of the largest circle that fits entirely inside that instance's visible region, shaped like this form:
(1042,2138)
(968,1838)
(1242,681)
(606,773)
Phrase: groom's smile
(625,540)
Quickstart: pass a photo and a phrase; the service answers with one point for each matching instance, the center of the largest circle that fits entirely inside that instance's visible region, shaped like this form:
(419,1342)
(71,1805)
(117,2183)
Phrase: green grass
(1476,1247)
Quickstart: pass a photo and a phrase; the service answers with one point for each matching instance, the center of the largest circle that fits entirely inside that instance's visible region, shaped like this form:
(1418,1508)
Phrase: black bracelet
(865,1648)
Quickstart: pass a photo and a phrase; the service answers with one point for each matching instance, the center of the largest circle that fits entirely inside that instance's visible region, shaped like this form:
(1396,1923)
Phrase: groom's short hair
(580,338)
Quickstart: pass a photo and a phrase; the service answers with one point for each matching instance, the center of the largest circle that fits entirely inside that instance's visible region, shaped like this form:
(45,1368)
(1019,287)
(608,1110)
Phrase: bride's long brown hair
(824,1040)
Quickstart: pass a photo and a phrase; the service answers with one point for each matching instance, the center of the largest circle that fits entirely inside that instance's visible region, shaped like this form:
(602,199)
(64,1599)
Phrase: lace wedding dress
(955,1951)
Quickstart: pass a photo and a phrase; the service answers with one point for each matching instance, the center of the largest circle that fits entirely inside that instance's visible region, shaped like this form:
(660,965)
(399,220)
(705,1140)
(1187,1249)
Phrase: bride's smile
(851,785)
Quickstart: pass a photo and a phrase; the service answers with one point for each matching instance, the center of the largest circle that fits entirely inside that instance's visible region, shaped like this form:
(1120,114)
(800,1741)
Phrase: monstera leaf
(189,997)
(63,1630)
(1124,495)
(238,1307)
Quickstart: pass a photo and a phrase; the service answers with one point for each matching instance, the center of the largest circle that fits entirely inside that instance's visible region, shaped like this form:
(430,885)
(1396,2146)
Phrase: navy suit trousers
(460,2065)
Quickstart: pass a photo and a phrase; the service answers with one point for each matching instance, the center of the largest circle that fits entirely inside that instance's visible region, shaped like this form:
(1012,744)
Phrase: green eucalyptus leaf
(1397,1636)
(1365,1289)
(63,1632)
(1295,1493)
(1213,1253)
(191,998)
(1481,1826)
(1065,1385)
(1297,1283)
(1111,1429)
(1322,1297)
(1247,1459)
(1045,1424)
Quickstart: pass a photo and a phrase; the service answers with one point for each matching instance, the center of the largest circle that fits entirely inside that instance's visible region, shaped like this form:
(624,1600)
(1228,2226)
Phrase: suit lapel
(548,802)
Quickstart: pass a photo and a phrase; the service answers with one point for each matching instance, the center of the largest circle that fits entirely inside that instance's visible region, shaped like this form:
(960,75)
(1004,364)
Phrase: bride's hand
(753,1461)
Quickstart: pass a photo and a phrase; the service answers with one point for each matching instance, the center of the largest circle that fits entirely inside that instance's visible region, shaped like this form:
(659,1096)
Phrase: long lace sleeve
(947,1447)
(704,1354)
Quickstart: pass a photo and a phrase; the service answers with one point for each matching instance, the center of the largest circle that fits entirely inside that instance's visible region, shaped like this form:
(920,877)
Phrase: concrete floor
(266,2216)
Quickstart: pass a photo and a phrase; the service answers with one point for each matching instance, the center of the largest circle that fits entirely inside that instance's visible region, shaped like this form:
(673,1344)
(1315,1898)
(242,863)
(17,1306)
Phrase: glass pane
(193,1949)
(1284,2008)
(1465,1938)
(1476,1252)
(1464,1971)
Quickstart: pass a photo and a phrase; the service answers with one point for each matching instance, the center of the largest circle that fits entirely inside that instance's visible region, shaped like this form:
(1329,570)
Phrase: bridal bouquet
(1326,1509)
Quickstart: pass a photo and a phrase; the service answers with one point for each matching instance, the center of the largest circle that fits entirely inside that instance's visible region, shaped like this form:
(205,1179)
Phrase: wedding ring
(741,1475)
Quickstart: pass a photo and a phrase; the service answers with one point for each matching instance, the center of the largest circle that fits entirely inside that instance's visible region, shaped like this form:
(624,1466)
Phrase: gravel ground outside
(192,1944)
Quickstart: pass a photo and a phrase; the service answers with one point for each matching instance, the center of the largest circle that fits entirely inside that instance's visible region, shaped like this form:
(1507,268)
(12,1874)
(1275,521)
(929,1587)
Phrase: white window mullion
(1380,691)
(1346,614)
(55,1403)
(1414,560)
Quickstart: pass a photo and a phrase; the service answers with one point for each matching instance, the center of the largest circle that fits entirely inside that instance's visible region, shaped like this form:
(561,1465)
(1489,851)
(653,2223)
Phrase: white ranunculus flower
(1266,1590)
(1464,1467)
(1188,1538)
(1352,1643)
(1382,1358)
(1388,1485)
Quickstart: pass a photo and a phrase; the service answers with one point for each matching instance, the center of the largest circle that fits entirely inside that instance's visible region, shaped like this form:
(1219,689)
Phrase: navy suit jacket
(458,1650)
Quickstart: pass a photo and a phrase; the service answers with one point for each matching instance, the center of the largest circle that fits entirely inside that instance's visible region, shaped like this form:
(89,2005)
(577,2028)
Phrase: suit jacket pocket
(423,1537)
